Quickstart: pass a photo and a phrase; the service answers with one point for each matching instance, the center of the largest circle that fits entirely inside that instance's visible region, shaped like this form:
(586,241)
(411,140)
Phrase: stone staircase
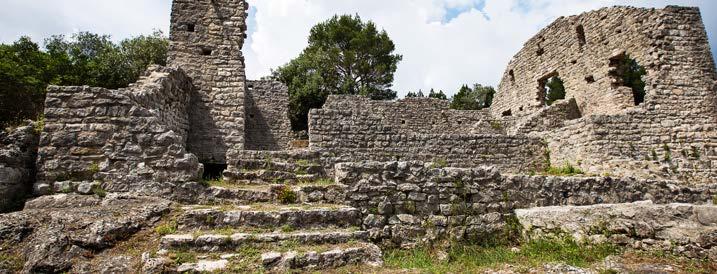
(274,215)
(276,167)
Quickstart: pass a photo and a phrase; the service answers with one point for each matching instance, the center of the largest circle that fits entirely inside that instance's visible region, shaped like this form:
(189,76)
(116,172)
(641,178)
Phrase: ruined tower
(206,41)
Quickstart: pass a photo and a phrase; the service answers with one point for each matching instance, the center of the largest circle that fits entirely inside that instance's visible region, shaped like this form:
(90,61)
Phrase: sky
(445,43)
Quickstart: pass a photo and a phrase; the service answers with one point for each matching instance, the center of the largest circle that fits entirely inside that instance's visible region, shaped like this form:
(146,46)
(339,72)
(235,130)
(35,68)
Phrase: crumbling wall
(406,203)
(546,120)
(579,49)
(267,116)
(18,152)
(685,229)
(122,137)
(354,128)
(677,118)
(410,115)
(206,41)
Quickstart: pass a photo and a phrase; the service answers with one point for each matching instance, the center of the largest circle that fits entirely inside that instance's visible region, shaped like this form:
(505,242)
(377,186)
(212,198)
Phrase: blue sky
(445,43)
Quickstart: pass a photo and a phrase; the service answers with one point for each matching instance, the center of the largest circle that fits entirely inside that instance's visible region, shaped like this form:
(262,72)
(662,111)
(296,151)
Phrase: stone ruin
(403,172)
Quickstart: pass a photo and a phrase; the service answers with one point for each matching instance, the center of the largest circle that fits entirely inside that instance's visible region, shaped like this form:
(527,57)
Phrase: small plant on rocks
(166,229)
(286,195)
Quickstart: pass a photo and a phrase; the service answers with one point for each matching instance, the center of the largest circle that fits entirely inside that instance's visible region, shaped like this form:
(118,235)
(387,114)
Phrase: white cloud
(474,46)
(469,49)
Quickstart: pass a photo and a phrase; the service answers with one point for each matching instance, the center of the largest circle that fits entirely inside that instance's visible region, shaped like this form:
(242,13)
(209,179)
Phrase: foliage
(554,90)
(345,56)
(167,228)
(99,191)
(25,72)
(566,170)
(286,195)
(475,258)
(182,257)
(437,95)
(631,75)
(439,163)
(84,59)
(418,94)
(475,98)
(40,124)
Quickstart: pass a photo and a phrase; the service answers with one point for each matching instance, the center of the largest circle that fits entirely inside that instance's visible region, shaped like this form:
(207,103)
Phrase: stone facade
(206,41)
(267,116)
(685,229)
(18,152)
(351,128)
(615,136)
(407,203)
(122,137)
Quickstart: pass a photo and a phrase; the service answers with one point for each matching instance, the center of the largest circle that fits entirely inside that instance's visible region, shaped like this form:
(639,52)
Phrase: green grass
(318,182)
(181,257)
(566,170)
(439,163)
(473,258)
(99,191)
(167,228)
(286,195)
(40,124)
(11,262)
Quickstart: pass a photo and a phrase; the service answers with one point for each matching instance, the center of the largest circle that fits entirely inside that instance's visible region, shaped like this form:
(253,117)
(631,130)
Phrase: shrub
(439,163)
(286,195)
(566,170)
(40,124)
(99,191)
(167,228)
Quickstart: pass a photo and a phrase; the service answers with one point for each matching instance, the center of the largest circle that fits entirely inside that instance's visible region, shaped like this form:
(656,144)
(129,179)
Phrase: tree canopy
(437,95)
(475,98)
(83,59)
(554,90)
(345,56)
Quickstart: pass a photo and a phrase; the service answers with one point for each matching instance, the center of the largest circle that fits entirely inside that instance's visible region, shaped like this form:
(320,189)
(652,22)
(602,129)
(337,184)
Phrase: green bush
(566,170)
(167,228)
(286,195)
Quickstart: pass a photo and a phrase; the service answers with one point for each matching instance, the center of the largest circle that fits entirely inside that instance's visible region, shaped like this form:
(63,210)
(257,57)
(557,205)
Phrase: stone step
(240,194)
(263,176)
(270,216)
(339,256)
(210,241)
(280,258)
(298,167)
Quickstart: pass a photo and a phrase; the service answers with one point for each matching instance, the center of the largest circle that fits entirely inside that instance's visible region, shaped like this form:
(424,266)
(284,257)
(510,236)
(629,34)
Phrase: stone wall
(18,152)
(579,48)
(121,137)
(206,41)
(409,202)
(351,128)
(267,116)
(685,229)
(638,143)
(546,120)
(410,115)
(676,121)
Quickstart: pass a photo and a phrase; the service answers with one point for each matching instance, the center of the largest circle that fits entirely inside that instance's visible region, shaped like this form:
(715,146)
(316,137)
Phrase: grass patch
(167,228)
(11,262)
(439,163)
(39,124)
(317,182)
(99,191)
(496,125)
(473,258)
(286,195)
(567,170)
(181,257)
